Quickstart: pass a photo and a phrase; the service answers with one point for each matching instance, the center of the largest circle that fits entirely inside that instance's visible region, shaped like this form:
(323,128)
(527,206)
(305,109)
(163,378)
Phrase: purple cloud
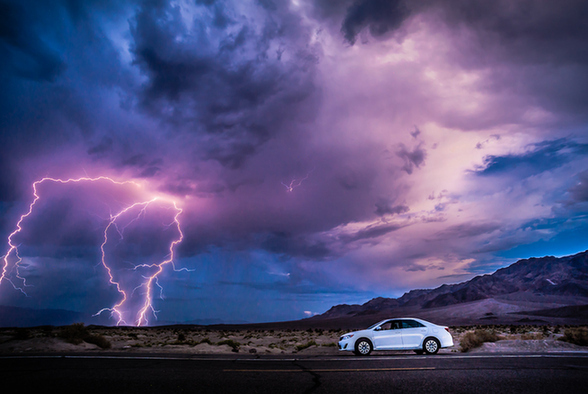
(220,105)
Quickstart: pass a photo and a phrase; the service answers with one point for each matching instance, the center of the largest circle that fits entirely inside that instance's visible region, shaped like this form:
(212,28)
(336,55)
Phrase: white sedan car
(398,334)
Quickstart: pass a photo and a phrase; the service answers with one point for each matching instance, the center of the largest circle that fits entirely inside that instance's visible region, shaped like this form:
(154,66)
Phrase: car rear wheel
(431,346)
(363,347)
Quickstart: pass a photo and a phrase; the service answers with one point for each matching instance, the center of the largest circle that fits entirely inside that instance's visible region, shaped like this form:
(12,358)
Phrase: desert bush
(98,340)
(474,339)
(557,329)
(306,345)
(235,345)
(532,336)
(78,333)
(74,333)
(206,340)
(576,335)
(22,334)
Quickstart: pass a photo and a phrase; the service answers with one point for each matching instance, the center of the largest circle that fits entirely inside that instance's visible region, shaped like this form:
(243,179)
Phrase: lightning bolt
(12,259)
(294,183)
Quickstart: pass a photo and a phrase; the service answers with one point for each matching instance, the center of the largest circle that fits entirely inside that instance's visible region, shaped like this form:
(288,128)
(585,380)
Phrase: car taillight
(447,329)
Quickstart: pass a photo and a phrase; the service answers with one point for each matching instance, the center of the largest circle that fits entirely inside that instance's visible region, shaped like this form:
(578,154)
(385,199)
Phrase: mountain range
(536,290)
(549,289)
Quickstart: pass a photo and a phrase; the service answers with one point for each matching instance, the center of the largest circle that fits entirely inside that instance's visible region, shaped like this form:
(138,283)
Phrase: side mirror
(378,328)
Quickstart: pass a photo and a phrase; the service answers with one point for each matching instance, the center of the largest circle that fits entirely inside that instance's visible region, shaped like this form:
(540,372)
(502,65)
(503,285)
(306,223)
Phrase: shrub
(98,340)
(235,345)
(74,333)
(577,336)
(78,333)
(306,345)
(22,334)
(204,340)
(532,336)
(471,340)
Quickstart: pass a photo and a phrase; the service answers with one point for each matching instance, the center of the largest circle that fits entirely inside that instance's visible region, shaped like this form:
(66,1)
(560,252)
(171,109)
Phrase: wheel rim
(363,347)
(431,346)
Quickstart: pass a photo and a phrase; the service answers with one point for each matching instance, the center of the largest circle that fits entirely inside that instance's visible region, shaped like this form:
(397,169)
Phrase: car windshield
(375,325)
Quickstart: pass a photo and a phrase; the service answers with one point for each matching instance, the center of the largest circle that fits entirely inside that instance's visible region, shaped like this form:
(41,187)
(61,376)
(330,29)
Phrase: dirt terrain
(258,342)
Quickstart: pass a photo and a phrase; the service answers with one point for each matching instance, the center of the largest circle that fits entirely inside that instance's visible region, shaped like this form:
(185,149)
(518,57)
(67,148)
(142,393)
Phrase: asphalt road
(488,373)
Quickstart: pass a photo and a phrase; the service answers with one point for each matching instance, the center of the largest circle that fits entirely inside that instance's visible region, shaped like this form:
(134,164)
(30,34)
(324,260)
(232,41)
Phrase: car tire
(431,345)
(363,347)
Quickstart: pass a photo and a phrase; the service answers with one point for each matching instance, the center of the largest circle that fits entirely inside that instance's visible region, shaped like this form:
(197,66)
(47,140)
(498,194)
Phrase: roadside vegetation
(78,333)
(474,339)
(256,341)
(576,335)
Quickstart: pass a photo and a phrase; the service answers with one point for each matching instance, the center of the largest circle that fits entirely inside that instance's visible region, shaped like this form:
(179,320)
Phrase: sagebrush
(78,333)
(474,339)
(576,335)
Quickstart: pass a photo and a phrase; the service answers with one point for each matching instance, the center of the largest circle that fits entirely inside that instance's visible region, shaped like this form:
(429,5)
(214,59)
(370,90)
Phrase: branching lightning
(294,183)
(12,259)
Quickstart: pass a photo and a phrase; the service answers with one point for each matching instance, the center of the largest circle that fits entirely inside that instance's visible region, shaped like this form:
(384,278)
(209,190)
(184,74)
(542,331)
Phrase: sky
(264,160)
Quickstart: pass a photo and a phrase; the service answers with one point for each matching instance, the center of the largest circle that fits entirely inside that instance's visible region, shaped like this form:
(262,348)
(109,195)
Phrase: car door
(413,334)
(387,336)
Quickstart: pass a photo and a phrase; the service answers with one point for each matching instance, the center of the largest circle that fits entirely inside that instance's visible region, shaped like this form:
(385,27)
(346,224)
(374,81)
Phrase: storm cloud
(285,132)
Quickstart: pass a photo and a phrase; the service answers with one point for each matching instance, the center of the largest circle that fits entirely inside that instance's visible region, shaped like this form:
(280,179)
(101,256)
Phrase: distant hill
(531,291)
(25,317)
(528,285)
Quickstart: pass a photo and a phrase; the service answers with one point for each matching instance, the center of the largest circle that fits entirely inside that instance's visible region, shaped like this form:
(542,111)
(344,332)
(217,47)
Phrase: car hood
(357,333)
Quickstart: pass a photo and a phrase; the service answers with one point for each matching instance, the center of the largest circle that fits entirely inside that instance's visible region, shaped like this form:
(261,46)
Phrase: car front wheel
(431,346)
(363,347)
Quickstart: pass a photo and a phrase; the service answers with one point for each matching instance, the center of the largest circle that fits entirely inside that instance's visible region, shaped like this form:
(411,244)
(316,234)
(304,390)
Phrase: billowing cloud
(320,151)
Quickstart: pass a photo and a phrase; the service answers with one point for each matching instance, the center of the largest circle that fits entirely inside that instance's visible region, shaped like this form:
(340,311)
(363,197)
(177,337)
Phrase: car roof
(402,318)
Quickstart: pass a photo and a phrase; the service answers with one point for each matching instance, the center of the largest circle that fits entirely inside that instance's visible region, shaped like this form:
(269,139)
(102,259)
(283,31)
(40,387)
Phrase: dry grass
(474,339)
(576,335)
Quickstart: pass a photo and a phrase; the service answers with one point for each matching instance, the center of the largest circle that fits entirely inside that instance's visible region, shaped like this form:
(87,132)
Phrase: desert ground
(94,339)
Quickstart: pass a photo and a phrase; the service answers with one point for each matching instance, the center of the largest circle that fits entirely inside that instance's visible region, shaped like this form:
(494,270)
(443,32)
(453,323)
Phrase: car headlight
(346,337)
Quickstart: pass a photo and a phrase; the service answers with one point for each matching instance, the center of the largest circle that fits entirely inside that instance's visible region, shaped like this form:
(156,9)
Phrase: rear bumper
(446,340)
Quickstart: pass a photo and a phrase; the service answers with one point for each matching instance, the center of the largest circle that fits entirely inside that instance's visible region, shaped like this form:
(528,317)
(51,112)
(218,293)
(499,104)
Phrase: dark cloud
(467,230)
(414,267)
(104,146)
(295,246)
(220,105)
(529,47)
(536,48)
(370,232)
(543,156)
(379,16)
(527,30)
(26,53)
(237,86)
(412,158)
(59,63)
(384,207)
(579,192)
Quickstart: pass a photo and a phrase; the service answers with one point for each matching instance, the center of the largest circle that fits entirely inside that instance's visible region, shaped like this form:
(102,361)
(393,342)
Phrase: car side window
(395,325)
(411,324)
(386,326)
